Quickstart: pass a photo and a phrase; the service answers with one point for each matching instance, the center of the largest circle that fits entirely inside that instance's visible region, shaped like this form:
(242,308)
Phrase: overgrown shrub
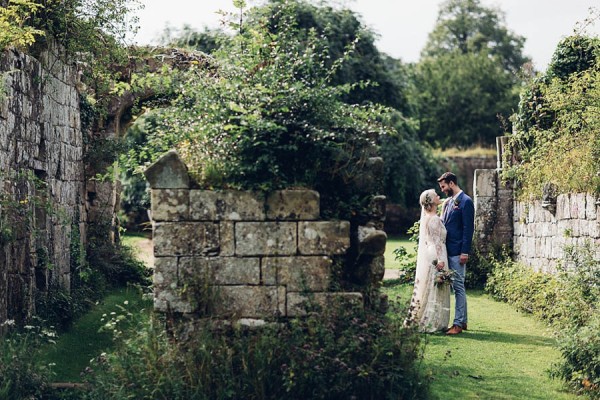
(269,117)
(22,375)
(569,301)
(557,126)
(340,353)
(115,261)
(580,366)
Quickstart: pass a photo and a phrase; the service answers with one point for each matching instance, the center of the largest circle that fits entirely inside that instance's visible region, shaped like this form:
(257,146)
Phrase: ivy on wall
(557,139)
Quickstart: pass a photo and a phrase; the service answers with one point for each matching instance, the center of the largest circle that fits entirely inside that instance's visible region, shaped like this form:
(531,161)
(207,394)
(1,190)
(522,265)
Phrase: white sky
(403,25)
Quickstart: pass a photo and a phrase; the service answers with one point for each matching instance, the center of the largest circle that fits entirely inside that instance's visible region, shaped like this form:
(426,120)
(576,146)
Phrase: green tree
(340,35)
(459,98)
(269,117)
(469,27)
(467,76)
(207,40)
(340,28)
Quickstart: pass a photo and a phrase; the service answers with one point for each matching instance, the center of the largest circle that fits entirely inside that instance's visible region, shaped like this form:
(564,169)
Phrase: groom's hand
(463,259)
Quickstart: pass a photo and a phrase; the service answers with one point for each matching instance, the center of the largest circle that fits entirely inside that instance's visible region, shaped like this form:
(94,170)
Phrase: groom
(458,216)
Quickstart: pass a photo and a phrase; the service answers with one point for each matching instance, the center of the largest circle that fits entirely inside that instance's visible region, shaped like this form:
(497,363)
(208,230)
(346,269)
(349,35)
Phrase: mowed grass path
(503,355)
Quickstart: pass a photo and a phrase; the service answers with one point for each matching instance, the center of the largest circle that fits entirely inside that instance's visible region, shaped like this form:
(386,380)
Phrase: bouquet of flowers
(442,276)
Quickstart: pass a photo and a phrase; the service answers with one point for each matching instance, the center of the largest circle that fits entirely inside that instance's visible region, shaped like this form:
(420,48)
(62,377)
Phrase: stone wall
(493,211)
(41,164)
(246,254)
(542,230)
(537,231)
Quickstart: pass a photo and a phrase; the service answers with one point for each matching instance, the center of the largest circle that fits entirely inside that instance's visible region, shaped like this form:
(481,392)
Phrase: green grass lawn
(503,355)
(393,242)
(75,348)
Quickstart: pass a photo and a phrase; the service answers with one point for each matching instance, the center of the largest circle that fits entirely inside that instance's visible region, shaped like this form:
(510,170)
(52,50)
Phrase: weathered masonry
(248,254)
(537,231)
(42,189)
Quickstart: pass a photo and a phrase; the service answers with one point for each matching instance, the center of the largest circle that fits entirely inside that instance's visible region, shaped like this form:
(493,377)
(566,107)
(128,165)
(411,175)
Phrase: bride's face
(436,200)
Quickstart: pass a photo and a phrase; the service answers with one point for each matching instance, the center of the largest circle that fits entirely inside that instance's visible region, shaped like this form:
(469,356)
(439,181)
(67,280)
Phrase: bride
(430,303)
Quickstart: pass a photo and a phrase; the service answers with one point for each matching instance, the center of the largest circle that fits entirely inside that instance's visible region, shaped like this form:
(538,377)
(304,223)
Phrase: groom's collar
(457,195)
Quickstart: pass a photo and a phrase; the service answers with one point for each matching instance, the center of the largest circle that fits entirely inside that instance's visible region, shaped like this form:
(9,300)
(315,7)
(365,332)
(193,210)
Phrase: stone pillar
(493,211)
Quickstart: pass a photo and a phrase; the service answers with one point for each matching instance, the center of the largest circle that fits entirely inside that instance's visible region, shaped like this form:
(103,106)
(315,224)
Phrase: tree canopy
(283,51)
(466,82)
(467,26)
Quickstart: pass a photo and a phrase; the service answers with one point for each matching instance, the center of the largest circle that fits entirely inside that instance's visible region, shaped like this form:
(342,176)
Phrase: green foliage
(408,260)
(471,28)
(115,262)
(580,367)
(558,127)
(480,267)
(22,375)
(569,301)
(14,28)
(409,166)
(341,28)
(573,54)
(467,77)
(269,117)
(207,40)
(460,96)
(344,352)
(19,205)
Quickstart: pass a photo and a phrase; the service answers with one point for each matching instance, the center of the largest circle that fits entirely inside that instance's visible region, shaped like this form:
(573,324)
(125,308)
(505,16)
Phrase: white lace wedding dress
(430,303)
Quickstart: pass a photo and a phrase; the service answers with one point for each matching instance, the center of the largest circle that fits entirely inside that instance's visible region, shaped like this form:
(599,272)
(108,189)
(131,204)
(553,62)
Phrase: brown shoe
(464,327)
(455,330)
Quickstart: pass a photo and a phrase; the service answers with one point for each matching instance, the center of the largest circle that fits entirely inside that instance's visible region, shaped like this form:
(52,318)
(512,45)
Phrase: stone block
(265,238)
(168,172)
(518,229)
(170,204)
(563,207)
(578,206)
(298,273)
(227,238)
(179,239)
(165,273)
(377,268)
(251,301)
(591,207)
(230,205)
(371,241)
(323,237)
(293,205)
(171,300)
(220,270)
(377,207)
(486,183)
(299,303)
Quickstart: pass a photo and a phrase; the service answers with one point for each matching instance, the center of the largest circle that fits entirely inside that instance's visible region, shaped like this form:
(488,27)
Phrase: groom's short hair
(448,177)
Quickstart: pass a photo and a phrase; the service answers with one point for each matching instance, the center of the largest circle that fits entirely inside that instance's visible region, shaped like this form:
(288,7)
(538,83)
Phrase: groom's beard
(449,192)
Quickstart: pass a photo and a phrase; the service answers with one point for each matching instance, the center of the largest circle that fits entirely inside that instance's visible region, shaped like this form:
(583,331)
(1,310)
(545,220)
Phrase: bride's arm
(434,228)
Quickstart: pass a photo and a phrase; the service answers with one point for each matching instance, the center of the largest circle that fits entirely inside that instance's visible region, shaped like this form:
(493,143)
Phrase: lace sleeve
(434,231)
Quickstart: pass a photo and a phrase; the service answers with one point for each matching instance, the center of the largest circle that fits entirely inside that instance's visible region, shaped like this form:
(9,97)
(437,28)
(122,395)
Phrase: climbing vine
(558,128)
(18,208)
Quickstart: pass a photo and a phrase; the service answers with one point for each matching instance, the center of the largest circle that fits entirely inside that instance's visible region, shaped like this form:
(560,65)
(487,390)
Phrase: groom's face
(447,188)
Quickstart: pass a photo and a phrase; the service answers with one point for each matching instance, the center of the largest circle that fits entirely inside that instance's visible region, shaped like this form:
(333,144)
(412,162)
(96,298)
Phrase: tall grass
(338,353)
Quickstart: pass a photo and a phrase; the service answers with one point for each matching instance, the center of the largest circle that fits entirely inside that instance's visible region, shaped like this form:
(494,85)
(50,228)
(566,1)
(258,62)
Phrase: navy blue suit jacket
(458,217)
